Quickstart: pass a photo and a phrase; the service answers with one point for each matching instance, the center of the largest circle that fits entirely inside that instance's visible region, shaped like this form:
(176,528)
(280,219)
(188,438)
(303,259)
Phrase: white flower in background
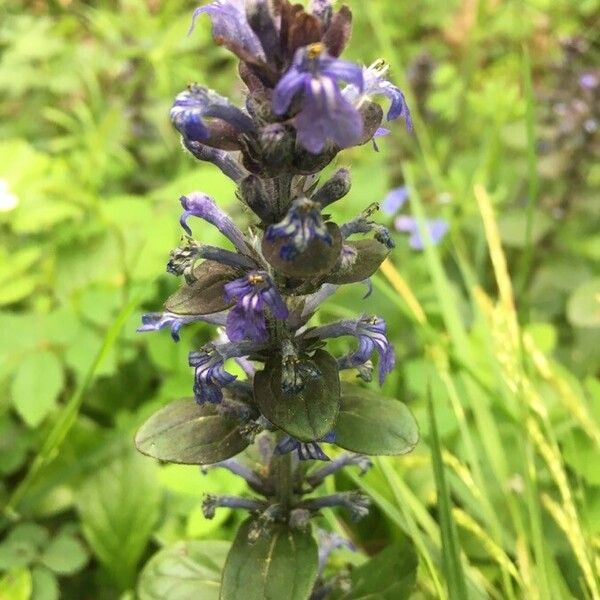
(8,200)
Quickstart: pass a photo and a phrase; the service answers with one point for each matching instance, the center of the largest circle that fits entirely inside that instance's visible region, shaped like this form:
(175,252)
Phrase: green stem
(283,478)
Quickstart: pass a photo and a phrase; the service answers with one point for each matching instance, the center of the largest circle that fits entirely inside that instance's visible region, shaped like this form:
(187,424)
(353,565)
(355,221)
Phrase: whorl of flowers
(303,104)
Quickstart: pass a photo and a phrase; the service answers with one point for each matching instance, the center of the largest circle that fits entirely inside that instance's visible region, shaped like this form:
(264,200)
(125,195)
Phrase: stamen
(314,50)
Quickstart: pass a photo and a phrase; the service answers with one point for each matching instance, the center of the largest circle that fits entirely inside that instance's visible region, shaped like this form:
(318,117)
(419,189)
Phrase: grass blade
(457,587)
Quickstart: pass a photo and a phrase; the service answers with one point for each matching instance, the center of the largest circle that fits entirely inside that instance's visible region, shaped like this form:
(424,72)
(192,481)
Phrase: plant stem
(283,479)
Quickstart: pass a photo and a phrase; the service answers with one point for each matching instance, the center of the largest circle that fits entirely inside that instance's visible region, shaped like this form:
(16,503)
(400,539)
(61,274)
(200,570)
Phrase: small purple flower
(306,450)
(301,225)
(437,228)
(371,334)
(253,293)
(230,24)
(204,207)
(375,84)
(210,375)
(325,114)
(395,200)
(157,321)
(589,81)
(196,104)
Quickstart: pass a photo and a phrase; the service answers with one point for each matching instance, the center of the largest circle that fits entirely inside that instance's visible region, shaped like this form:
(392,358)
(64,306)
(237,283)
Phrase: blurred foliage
(90,176)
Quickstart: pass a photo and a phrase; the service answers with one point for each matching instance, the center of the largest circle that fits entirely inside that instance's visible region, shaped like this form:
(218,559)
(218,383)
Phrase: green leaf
(581,454)
(583,308)
(14,445)
(319,258)
(21,546)
(30,533)
(369,256)
(307,415)
(16,585)
(119,506)
(390,575)
(206,295)
(17,289)
(513,227)
(183,571)
(282,563)
(35,388)
(186,433)
(16,553)
(65,555)
(20,262)
(45,584)
(370,423)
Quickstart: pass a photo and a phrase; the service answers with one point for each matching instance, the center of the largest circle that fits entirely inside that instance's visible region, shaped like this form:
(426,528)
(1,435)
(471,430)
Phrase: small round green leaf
(372,424)
(30,533)
(369,256)
(65,555)
(307,415)
(16,553)
(282,563)
(186,433)
(183,571)
(319,258)
(206,295)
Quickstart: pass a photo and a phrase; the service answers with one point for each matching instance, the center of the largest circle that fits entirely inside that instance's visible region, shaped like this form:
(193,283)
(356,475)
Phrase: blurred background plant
(500,321)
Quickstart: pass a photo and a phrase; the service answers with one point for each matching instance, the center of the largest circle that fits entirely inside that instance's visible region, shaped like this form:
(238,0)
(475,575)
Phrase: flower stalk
(291,398)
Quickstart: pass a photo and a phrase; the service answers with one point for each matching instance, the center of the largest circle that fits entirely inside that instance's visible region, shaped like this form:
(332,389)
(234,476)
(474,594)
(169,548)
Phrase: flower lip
(325,115)
(253,293)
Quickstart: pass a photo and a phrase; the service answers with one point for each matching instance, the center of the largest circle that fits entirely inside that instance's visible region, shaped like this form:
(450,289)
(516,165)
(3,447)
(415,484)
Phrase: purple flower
(301,225)
(394,201)
(325,114)
(437,230)
(197,103)
(210,375)
(253,294)
(371,334)
(375,84)
(157,321)
(306,450)
(589,81)
(204,207)
(230,25)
